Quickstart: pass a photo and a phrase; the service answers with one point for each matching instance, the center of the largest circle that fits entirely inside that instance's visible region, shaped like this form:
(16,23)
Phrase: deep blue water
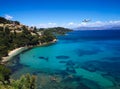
(79,60)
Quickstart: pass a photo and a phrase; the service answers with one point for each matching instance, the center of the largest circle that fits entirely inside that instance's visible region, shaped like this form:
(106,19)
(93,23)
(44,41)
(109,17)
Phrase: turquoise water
(79,60)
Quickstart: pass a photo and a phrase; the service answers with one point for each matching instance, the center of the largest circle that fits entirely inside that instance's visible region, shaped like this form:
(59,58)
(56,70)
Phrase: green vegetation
(4,74)
(14,35)
(10,41)
(25,81)
(11,38)
(57,30)
(47,36)
(5,21)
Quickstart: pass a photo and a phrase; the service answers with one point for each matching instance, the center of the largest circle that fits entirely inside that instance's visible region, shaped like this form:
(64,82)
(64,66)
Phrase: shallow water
(79,60)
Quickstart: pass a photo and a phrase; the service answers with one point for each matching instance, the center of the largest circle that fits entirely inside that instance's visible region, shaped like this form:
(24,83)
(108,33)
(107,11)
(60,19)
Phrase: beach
(13,53)
(17,51)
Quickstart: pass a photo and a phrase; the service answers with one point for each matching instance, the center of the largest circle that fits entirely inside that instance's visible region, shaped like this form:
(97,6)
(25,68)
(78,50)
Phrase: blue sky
(67,13)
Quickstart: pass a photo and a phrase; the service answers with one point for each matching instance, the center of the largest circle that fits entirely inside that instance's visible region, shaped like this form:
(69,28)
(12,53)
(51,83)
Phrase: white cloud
(8,17)
(115,22)
(82,24)
(71,24)
(52,24)
(93,24)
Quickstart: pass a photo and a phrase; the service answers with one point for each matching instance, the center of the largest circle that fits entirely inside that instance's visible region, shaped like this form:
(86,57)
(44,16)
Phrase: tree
(17,22)
(49,36)
(25,30)
(2,20)
(7,31)
(25,82)
(4,74)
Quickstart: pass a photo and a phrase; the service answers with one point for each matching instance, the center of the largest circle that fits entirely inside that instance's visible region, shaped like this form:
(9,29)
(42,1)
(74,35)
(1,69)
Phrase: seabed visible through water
(79,60)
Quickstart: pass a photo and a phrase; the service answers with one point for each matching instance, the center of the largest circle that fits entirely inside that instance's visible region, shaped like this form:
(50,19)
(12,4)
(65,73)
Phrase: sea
(88,59)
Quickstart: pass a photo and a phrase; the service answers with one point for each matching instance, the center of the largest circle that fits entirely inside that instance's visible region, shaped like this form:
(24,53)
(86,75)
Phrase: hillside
(57,30)
(13,35)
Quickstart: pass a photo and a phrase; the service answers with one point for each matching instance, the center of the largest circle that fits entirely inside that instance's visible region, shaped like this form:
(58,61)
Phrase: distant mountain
(116,27)
(107,27)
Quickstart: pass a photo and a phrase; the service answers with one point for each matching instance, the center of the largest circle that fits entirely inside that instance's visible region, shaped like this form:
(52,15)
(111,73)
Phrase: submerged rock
(70,69)
(113,59)
(62,57)
(95,77)
(47,59)
(44,58)
(70,63)
(62,61)
(82,52)
(41,57)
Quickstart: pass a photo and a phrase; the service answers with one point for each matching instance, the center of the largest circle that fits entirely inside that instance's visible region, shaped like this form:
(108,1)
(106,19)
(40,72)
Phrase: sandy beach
(13,53)
(17,51)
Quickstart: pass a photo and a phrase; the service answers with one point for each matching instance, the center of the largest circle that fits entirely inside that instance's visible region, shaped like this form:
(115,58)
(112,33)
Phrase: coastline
(13,53)
(17,51)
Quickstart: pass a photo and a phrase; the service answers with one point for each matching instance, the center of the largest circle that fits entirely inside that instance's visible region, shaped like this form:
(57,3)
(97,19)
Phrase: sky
(65,13)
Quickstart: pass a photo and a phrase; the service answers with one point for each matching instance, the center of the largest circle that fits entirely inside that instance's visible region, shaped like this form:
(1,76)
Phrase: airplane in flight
(86,20)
